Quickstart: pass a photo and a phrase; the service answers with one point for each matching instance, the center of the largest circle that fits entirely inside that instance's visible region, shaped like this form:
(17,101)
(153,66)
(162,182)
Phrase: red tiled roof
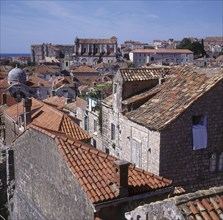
(203,204)
(4,83)
(56,101)
(213,39)
(9,100)
(59,81)
(94,171)
(34,81)
(85,69)
(43,69)
(162,51)
(141,74)
(176,95)
(50,118)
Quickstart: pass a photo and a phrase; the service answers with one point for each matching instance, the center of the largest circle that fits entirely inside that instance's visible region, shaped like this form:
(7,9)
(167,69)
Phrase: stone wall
(149,142)
(45,187)
(178,161)
(160,210)
(11,130)
(136,87)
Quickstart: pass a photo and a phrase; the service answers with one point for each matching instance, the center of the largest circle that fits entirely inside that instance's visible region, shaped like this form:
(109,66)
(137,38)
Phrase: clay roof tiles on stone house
(34,81)
(47,117)
(94,170)
(176,95)
(203,204)
(56,101)
(140,74)
(85,69)
(200,205)
(44,69)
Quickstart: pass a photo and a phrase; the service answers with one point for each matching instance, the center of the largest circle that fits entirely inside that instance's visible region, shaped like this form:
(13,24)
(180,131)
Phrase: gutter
(115,202)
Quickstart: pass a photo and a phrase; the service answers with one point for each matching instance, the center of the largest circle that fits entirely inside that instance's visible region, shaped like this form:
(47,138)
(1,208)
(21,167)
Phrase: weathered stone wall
(44,184)
(160,210)
(178,161)
(11,131)
(117,211)
(125,132)
(108,117)
(133,88)
(149,141)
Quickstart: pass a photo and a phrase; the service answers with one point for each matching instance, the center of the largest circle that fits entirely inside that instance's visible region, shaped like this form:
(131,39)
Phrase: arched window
(213,162)
(220,162)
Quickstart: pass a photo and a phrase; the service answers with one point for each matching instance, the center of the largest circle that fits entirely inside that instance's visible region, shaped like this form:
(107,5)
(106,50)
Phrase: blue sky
(34,22)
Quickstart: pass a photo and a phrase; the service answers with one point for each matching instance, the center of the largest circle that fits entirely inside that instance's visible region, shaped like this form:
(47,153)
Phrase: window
(115,88)
(106,150)
(199,131)
(94,143)
(213,162)
(112,131)
(216,162)
(95,125)
(220,163)
(86,121)
(136,152)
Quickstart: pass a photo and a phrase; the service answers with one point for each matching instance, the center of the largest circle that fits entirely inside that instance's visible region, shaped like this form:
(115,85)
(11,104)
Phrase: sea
(14,54)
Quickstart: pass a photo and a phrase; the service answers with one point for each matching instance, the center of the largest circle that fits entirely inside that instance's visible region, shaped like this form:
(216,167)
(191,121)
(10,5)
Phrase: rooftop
(162,51)
(48,117)
(141,74)
(203,204)
(96,40)
(94,170)
(179,91)
(85,69)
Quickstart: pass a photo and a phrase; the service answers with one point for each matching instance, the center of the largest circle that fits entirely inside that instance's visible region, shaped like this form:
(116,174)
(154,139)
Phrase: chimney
(121,177)
(4,99)
(27,104)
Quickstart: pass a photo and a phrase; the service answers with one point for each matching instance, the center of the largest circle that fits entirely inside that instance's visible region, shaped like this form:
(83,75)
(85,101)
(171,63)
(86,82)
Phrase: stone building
(174,129)
(58,177)
(39,52)
(161,56)
(126,83)
(92,51)
(203,204)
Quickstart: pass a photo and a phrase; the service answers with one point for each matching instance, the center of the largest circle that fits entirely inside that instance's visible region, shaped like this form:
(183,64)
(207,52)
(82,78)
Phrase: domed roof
(16,75)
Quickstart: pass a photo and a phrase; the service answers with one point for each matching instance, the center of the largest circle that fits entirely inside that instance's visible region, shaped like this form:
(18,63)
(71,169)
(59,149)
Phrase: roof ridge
(198,194)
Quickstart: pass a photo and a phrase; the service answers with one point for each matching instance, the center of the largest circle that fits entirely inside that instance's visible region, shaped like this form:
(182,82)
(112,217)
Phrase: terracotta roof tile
(176,94)
(85,69)
(203,204)
(93,171)
(50,119)
(141,74)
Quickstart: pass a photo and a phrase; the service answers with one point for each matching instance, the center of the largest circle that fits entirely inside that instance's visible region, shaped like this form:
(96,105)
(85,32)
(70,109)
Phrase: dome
(16,75)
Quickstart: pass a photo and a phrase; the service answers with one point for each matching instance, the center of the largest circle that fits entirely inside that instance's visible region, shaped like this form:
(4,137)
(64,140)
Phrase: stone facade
(203,204)
(40,51)
(169,151)
(89,121)
(187,167)
(91,51)
(45,188)
(161,56)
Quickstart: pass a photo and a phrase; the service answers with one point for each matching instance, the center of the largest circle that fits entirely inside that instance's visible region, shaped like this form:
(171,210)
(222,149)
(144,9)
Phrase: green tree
(196,47)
